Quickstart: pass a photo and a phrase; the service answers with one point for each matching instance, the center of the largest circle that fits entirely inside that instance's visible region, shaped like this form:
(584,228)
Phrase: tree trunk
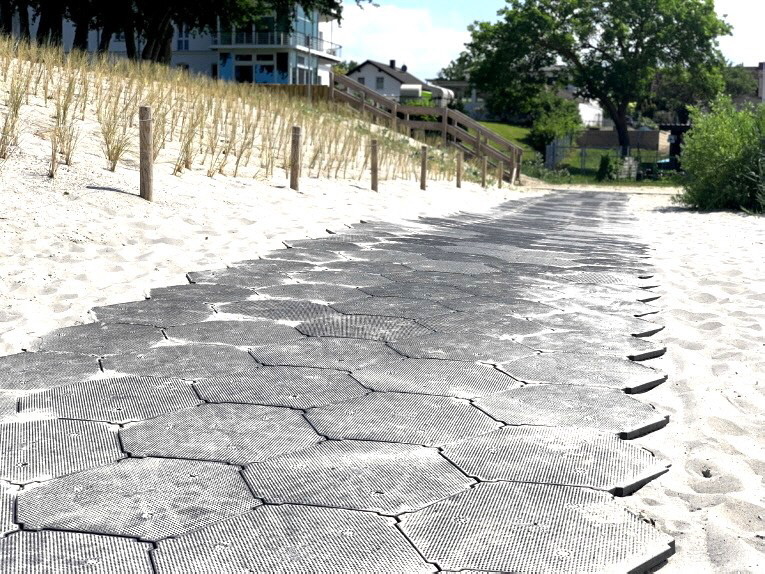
(24,20)
(6,17)
(156,33)
(106,38)
(51,25)
(82,31)
(130,45)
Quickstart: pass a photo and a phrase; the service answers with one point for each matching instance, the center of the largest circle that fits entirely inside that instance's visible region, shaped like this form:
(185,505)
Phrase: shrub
(722,157)
(606,169)
(554,118)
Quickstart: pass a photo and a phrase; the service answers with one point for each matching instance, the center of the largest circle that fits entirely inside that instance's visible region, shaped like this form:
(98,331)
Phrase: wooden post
(445,123)
(484,168)
(331,86)
(146,152)
(460,159)
(500,173)
(423,167)
(395,116)
(373,159)
(295,159)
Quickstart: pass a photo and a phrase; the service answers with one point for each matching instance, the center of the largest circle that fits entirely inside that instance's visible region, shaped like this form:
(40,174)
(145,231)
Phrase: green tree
(611,51)
(739,81)
(554,118)
(342,68)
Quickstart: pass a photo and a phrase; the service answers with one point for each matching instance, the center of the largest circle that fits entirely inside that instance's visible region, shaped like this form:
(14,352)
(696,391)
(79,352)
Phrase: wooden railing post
(295,159)
(423,167)
(146,153)
(373,160)
(395,116)
(460,159)
(331,86)
(445,123)
(500,173)
(484,168)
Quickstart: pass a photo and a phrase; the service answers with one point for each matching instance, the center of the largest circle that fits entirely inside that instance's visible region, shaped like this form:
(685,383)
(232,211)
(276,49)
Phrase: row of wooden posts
(147,160)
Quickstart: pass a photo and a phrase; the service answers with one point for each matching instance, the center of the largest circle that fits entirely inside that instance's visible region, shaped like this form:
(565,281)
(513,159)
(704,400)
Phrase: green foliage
(607,169)
(739,82)
(342,68)
(723,157)
(536,168)
(554,118)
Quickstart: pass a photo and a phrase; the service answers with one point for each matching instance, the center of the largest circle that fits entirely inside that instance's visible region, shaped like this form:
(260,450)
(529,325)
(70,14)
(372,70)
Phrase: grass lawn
(516,134)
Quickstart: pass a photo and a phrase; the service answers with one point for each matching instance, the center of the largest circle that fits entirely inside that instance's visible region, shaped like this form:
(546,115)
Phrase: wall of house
(391,88)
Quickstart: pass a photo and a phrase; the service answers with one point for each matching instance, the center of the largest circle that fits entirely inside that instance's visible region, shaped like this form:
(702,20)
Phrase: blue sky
(427,34)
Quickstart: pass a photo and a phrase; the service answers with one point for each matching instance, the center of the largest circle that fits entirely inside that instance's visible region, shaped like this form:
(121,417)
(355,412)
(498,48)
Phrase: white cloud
(407,35)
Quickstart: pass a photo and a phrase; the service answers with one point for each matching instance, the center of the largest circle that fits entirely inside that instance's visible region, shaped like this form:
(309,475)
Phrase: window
(243,57)
(361,81)
(183,39)
(264,57)
(379,83)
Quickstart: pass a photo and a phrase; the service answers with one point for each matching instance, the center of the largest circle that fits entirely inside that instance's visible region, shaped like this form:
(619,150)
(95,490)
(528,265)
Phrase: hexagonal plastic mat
(100,340)
(237,333)
(371,327)
(633,348)
(40,371)
(325,353)
(7,496)
(150,498)
(461,347)
(594,408)
(311,292)
(118,400)
(535,528)
(581,369)
(392,307)
(282,309)
(349,278)
(202,293)
(192,361)
(238,434)
(379,477)
(487,323)
(51,552)
(394,417)
(416,291)
(240,277)
(159,313)
(435,377)
(295,387)
(550,455)
(41,450)
(293,539)
(602,323)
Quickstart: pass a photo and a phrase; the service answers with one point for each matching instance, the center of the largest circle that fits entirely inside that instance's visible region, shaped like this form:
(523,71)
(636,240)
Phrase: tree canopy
(611,51)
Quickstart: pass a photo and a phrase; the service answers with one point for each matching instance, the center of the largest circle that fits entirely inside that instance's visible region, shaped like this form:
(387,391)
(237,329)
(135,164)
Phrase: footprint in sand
(705,477)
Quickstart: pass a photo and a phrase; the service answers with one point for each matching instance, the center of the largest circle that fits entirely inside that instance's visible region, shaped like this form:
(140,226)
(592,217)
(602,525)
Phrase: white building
(387,80)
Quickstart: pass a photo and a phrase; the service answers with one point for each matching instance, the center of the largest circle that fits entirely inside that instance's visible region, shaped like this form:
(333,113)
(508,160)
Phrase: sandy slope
(712,274)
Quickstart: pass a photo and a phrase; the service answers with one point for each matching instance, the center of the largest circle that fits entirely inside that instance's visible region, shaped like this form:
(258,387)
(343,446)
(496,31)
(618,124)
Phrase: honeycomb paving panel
(236,333)
(311,292)
(35,451)
(373,267)
(646,311)
(238,434)
(588,370)
(485,323)
(602,323)
(634,348)
(192,361)
(406,418)
(279,309)
(240,277)
(392,307)
(461,347)
(204,293)
(120,400)
(379,477)
(294,387)
(8,401)
(605,278)
(325,353)
(40,371)
(514,527)
(593,408)
(293,540)
(435,377)
(265,266)
(52,552)
(562,456)
(371,327)
(304,256)
(157,313)
(344,278)
(416,291)
(150,499)
(101,340)
(463,267)
(510,305)
(7,525)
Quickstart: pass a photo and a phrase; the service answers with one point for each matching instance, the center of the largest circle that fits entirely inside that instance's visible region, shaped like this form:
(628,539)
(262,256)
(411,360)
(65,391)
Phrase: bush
(723,158)
(606,170)
(554,118)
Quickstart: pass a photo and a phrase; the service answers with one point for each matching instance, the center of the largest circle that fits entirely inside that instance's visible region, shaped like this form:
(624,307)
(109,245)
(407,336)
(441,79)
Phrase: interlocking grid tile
(6,513)
(392,307)
(293,539)
(241,277)
(237,333)
(281,309)
(325,353)
(594,408)
(602,323)
(100,340)
(159,313)
(435,377)
(461,347)
(119,400)
(371,327)
(563,456)
(41,450)
(487,323)
(238,434)
(8,401)
(633,348)
(348,278)
(466,268)
(311,292)
(380,477)
(40,371)
(416,291)
(51,552)
(515,527)
(295,387)
(202,293)
(606,278)
(192,361)
(588,370)
(394,417)
(150,498)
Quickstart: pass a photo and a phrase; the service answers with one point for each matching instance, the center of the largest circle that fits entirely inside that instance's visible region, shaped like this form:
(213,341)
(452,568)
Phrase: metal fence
(586,160)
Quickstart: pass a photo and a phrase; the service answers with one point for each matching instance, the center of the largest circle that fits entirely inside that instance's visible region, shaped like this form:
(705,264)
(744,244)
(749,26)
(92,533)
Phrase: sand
(711,267)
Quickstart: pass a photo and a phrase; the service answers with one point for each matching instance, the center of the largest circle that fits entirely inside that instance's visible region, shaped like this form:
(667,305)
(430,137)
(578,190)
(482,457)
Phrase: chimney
(404,68)
(393,64)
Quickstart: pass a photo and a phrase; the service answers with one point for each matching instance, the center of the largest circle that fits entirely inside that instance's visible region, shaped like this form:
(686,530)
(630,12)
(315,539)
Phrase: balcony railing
(253,38)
